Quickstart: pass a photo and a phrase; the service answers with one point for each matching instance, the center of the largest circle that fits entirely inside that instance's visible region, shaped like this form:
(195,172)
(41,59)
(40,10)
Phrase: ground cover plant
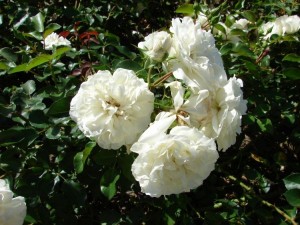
(149,112)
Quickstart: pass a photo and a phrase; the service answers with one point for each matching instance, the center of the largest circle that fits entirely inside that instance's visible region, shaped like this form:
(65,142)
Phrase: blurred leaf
(59,107)
(293,197)
(19,68)
(229,20)
(128,64)
(73,192)
(29,87)
(41,59)
(17,135)
(239,5)
(249,15)
(108,183)
(80,157)
(220,27)
(53,133)
(265,125)
(125,51)
(38,119)
(225,49)
(105,157)
(187,9)
(60,51)
(243,50)
(292,73)
(8,54)
(292,58)
(4,66)
(292,181)
(51,28)
(38,22)
(125,163)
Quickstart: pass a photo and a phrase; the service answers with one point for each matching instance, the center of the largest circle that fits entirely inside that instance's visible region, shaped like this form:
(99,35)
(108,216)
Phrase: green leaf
(229,20)
(220,27)
(17,135)
(53,133)
(50,28)
(249,15)
(187,9)
(293,197)
(80,157)
(125,51)
(265,125)
(105,157)
(4,66)
(292,58)
(128,64)
(125,163)
(38,22)
(19,68)
(8,54)
(41,59)
(292,181)
(225,49)
(29,87)
(243,50)
(60,107)
(292,73)
(240,4)
(38,119)
(108,183)
(60,51)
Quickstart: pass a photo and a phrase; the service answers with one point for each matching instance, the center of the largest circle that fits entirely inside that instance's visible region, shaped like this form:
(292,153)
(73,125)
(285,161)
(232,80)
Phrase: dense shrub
(67,178)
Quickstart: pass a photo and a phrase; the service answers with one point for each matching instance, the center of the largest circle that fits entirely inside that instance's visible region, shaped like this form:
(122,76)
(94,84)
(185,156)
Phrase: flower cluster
(180,160)
(281,26)
(179,149)
(12,210)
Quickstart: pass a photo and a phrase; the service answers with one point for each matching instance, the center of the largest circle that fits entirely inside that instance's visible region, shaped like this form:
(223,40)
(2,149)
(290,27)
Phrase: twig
(247,188)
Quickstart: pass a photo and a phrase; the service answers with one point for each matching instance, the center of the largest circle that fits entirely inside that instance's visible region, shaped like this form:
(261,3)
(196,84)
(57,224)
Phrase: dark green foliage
(67,179)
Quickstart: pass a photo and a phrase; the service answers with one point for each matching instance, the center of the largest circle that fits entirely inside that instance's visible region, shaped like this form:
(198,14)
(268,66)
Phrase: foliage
(66,178)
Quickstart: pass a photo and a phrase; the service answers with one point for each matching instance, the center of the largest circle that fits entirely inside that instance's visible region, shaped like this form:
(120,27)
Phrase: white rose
(113,109)
(156,45)
(225,108)
(281,26)
(194,58)
(172,163)
(54,39)
(12,210)
(216,113)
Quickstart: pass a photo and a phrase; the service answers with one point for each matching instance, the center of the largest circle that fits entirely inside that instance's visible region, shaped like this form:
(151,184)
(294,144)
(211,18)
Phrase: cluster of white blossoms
(179,160)
(12,210)
(281,26)
(54,40)
(178,151)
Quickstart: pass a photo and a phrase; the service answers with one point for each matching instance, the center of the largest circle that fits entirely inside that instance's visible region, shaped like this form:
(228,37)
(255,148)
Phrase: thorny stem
(247,188)
(162,79)
(149,77)
(262,55)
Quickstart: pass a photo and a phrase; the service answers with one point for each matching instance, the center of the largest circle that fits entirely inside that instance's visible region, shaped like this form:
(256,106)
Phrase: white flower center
(112,107)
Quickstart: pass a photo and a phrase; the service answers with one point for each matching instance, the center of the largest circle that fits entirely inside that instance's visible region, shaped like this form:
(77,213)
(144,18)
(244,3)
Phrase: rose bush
(60,112)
